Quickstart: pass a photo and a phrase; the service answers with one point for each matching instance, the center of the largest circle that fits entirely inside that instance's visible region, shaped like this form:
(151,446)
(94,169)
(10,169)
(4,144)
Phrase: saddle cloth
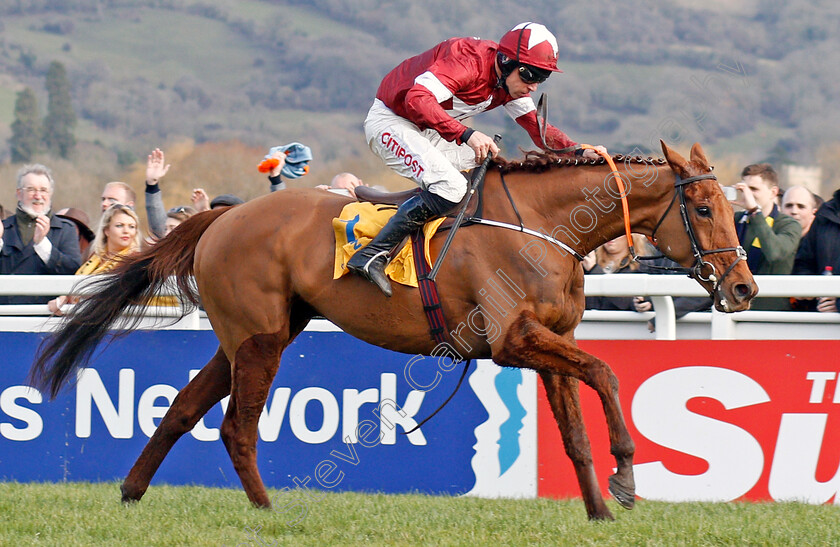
(359,223)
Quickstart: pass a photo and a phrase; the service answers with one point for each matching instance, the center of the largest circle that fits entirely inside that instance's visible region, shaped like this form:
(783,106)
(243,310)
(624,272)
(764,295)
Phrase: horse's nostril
(742,290)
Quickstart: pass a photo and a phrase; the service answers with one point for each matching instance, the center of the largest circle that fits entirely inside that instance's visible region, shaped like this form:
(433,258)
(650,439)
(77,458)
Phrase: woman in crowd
(118,235)
(177,215)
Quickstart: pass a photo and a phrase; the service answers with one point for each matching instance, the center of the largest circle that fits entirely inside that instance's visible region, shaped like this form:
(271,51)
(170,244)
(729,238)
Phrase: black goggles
(532,74)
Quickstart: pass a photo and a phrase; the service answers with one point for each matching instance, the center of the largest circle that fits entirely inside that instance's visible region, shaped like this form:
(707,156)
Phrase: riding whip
(542,115)
(478,176)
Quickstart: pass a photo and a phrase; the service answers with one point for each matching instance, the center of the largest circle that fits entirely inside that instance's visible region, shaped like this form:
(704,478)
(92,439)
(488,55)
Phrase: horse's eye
(704,211)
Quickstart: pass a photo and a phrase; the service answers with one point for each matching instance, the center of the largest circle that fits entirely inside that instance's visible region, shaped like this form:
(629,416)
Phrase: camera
(730,192)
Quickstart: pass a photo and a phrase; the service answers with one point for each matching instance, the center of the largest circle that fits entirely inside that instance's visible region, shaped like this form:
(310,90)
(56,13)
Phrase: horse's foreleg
(530,344)
(562,394)
(255,365)
(193,401)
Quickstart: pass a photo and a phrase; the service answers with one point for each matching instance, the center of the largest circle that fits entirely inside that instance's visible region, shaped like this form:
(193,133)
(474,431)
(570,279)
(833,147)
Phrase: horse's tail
(130,285)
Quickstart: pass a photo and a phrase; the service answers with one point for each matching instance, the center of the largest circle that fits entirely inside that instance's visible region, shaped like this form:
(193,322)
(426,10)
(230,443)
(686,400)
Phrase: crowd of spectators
(799,233)
(38,240)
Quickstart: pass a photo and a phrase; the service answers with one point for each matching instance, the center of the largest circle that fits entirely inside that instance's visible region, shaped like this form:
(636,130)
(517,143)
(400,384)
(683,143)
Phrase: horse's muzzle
(736,297)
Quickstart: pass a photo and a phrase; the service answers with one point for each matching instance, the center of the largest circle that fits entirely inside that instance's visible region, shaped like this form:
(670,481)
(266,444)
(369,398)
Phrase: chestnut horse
(265,268)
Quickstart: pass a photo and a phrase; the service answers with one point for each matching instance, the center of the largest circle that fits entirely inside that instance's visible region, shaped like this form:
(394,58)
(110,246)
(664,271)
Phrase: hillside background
(214,83)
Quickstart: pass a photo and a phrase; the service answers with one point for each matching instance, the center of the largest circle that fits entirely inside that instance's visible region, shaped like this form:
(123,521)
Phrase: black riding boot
(370,261)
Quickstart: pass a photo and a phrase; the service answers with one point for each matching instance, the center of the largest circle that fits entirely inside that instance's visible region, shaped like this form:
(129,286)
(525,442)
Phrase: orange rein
(624,207)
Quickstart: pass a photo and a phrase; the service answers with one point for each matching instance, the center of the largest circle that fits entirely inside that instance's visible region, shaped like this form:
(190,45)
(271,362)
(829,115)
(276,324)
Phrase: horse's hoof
(127,498)
(604,515)
(261,504)
(626,497)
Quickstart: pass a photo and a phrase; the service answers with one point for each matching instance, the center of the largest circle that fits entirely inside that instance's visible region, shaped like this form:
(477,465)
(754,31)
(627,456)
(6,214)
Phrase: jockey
(415,124)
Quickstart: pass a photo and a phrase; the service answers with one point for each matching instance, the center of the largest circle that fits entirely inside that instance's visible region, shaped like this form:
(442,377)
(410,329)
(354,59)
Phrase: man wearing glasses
(33,241)
(416,124)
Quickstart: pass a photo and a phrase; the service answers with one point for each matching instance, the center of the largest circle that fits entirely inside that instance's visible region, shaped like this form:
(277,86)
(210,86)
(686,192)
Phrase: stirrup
(366,267)
(380,278)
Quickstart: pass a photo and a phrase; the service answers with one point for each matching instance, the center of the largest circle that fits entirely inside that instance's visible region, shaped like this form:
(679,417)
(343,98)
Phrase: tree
(26,129)
(61,118)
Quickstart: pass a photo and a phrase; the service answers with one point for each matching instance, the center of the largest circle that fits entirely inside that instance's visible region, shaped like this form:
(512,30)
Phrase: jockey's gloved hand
(593,154)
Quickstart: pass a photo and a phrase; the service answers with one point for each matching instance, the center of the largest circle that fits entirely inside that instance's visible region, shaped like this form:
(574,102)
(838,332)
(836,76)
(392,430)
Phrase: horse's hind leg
(209,386)
(255,365)
(562,394)
(530,344)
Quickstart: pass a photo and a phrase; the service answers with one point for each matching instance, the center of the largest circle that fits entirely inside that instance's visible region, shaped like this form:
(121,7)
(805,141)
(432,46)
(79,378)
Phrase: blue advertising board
(330,388)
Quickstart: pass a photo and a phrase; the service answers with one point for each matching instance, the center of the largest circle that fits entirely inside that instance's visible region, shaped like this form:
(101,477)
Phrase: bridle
(697,270)
(700,264)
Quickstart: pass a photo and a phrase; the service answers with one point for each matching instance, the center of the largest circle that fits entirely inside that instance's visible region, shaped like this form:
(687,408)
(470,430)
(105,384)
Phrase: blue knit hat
(298,157)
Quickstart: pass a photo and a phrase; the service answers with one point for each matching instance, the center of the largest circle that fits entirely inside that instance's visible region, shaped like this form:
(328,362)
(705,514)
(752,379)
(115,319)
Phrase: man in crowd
(769,237)
(118,192)
(343,183)
(820,250)
(800,204)
(33,241)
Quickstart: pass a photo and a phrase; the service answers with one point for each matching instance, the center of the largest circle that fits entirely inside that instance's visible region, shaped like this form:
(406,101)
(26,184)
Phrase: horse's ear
(697,155)
(677,162)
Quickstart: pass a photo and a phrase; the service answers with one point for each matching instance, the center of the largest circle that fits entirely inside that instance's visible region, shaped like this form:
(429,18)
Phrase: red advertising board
(713,421)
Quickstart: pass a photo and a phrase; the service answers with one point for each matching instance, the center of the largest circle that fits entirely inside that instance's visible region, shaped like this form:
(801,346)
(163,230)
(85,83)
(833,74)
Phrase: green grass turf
(72,514)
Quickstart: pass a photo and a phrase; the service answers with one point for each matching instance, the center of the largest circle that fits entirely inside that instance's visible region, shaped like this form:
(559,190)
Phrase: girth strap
(428,289)
(434,313)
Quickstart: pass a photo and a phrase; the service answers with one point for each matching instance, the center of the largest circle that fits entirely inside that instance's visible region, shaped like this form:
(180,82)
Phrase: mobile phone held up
(730,192)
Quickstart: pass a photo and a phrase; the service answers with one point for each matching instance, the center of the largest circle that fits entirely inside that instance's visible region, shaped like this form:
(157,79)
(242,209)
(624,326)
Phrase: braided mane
(537,162)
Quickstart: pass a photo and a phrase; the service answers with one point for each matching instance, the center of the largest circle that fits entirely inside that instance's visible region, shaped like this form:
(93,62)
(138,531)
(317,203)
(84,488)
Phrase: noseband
(700,264)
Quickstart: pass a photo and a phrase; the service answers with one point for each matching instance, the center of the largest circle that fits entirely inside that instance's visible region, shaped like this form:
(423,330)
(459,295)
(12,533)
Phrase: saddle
(368,194)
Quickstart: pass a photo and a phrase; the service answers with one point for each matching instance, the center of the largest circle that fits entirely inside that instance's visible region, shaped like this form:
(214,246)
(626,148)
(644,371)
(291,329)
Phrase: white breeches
(420,155)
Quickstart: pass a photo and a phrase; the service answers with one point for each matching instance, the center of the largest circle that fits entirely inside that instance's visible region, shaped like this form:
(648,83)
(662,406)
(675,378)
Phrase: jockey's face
(517,87)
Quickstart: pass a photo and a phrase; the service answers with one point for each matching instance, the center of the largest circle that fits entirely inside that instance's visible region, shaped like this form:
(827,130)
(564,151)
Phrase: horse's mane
(537,162)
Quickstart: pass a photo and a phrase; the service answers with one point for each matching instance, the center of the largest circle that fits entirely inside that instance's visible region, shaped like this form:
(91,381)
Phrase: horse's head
(698,231)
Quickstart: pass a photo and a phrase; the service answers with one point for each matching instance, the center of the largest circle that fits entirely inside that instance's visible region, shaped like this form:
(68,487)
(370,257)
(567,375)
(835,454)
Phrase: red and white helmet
(531,44)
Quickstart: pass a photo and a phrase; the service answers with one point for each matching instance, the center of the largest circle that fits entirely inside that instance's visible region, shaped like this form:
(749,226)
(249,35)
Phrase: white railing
(37,317)
(596,324)
(714,325)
